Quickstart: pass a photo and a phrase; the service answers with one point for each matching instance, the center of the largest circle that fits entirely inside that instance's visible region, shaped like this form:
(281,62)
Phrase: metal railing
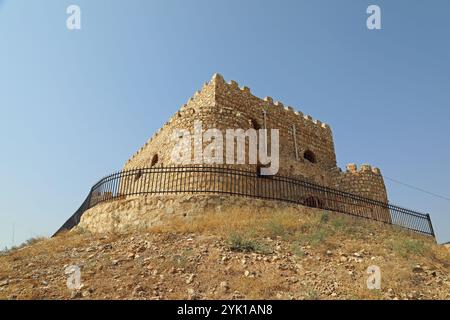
(232,181)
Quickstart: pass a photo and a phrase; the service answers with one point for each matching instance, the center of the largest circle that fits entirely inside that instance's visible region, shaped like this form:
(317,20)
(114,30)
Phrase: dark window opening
(254,124)
(154,160)
(310,156)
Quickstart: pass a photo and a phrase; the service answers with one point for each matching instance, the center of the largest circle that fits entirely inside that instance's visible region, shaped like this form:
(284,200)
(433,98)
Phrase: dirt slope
(248,255)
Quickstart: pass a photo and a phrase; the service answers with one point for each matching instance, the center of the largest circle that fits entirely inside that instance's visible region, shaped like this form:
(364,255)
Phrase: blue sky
(75,105)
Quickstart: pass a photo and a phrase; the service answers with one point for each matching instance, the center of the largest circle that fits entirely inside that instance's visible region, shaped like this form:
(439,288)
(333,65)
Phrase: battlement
(231,105)
(365,168)
(269,103)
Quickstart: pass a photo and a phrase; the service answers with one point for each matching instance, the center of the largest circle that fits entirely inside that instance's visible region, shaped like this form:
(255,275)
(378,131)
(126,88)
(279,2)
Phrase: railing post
(431,226)
(89,199)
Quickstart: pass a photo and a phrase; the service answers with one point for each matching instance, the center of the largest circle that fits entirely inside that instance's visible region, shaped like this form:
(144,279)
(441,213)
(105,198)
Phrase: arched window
(314,202)
(154,160)
(310,156)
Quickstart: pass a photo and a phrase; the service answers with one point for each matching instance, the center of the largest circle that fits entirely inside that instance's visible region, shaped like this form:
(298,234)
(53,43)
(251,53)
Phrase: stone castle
(306,151)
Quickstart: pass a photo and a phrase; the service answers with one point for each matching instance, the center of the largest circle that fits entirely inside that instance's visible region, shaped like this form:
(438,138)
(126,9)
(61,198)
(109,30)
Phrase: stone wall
(134,213)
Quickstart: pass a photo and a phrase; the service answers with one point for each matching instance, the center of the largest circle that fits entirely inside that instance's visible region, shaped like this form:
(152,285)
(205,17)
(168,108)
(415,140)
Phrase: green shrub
(406,247)
(314,235)
(181,260)
(297,250)
(312,294)
(324,217)
(33,240)
(242,244)
(276,229)
(339,223)
(318,236)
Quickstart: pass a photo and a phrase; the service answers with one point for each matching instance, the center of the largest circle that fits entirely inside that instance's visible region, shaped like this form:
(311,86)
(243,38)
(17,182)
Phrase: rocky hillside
(245,255)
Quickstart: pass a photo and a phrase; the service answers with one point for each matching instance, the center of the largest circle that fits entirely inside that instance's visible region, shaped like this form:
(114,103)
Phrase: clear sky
(74,105)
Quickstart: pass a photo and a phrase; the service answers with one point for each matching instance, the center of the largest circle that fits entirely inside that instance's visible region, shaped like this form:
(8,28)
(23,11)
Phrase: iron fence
(232,181)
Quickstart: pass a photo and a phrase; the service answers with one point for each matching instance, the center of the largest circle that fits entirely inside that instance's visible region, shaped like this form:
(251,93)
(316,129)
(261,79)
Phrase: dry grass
(295,238)
(247,230)
(240,221)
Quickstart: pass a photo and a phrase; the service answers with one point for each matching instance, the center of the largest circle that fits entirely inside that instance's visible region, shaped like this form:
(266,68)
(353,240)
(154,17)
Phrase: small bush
(318,236)
(276,229)
(297,250)
(339,224)
(324,217)
(406,247)
(32,241)
(312,294)
(241,244)
(315,235)
(181,260)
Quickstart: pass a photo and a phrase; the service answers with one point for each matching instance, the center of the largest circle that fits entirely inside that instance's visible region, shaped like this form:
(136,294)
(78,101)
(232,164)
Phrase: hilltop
(248,255)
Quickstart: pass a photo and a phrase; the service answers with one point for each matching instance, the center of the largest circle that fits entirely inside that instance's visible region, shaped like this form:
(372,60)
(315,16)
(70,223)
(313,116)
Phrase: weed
(406,247)
(297,250)
(275,229)
(181,260)
(312,294)
(242,244)
(324,217)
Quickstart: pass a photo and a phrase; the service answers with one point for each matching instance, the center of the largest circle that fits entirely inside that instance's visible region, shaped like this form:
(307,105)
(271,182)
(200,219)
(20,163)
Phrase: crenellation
(279,104)
(376,171)
(217,78)
(365,168)
(233,84)
(351,167)
(246,89)
(325,126)
(268,99)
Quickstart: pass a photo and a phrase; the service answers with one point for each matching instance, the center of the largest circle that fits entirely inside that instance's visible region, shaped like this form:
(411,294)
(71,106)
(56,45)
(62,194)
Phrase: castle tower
(306,153)
(306,145)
